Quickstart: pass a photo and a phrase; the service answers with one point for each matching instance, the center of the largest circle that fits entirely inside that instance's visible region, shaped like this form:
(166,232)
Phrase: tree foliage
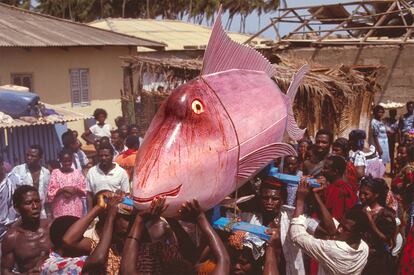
(197,11)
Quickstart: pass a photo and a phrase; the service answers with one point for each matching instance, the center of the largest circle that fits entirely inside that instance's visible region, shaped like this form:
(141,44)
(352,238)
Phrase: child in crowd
(100,129)
(381,236)
(291,167)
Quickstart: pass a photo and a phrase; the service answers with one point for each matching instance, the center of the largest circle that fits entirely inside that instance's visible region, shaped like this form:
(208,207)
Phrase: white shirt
(8,214)
(80,160)
(334,257)
(293,255)
(358,158)
(116,179)
(101,131)
(24,173)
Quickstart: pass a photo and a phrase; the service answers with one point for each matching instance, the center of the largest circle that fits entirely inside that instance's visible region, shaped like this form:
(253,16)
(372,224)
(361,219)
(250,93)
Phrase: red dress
(407,256)
(351,176)
(339,197)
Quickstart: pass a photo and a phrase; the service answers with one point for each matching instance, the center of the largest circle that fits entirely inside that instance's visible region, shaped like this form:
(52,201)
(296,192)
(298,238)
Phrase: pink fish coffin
(216,131)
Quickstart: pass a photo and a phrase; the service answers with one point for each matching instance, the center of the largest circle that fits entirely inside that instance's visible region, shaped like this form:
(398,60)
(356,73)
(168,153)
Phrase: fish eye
(197,107)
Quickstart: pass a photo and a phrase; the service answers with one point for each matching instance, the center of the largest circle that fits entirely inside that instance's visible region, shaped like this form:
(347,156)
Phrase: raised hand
(156,208)
(190,211)
(113,203)
(303,189)
(103,199)
(274,240)
(323,182)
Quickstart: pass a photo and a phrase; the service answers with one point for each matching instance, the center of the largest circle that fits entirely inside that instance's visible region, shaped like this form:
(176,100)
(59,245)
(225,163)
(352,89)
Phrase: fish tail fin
(292,128)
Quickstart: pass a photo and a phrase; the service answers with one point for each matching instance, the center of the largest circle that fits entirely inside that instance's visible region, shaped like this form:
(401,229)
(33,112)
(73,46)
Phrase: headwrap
(274,182)
(409,134)
(241,239)
(277,185)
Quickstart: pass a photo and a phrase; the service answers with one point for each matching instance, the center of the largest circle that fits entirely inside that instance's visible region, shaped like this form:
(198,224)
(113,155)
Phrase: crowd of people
(70,217)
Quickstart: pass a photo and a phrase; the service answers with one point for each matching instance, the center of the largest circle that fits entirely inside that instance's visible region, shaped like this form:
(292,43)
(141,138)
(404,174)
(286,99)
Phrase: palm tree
(196,10)
(24,4)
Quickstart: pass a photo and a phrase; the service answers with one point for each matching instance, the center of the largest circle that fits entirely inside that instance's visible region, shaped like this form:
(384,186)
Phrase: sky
(252,25)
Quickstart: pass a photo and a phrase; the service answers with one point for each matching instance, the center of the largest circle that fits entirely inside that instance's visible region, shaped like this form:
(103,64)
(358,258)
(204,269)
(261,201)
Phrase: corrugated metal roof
(65,116)
(23,28)
(178,35)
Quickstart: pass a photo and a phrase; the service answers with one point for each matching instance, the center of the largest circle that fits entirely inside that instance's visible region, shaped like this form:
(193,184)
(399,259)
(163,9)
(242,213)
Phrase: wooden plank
(357,28)
(376,42)
(365,16)
(332,20)
(344,4)
(408,34)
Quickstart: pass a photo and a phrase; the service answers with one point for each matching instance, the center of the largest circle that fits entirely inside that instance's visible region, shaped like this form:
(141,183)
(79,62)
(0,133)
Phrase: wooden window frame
(82,102)
(21,75)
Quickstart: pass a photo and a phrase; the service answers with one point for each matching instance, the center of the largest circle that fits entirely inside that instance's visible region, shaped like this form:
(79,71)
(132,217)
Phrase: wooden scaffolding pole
(380,21)
(272,23)
(305,22)
(127,95)
(340,25)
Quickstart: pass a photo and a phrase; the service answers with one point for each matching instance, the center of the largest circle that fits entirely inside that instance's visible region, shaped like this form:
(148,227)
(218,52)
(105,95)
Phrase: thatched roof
(330,98)
(175,63)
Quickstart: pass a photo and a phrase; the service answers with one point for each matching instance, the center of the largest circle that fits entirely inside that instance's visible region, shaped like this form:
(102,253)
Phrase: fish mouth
(171,193)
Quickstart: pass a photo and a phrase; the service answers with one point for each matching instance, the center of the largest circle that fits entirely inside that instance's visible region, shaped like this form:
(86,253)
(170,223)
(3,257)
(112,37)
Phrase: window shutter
(79,85)
(27,82)
(84,79)
(75,87)
(17,80)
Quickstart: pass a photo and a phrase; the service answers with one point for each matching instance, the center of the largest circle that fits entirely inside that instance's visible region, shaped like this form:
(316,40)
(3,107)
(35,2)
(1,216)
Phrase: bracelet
(130,237)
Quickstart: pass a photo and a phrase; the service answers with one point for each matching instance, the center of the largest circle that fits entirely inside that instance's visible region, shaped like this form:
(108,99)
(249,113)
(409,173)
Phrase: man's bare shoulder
(9,240)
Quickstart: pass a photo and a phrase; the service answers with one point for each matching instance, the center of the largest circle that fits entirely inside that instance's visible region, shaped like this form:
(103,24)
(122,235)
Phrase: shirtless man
(27,244)
(319,152)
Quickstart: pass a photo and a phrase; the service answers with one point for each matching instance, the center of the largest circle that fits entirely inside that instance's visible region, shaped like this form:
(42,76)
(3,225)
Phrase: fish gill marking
(152,155)
(225,110)
(232,125)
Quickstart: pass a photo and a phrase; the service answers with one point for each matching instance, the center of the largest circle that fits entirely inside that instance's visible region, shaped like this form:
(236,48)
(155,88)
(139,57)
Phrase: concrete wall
(50,68)
(398,78)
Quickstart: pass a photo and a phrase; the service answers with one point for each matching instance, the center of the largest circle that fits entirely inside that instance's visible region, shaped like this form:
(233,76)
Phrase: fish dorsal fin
(292,128)
(252,163)
(224,54)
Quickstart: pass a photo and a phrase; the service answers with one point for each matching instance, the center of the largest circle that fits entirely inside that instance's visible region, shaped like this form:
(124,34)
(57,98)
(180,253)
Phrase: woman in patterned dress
(67,188)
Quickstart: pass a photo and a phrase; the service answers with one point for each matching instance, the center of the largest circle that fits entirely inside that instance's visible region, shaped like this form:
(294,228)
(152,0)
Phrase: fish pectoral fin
(252,163)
